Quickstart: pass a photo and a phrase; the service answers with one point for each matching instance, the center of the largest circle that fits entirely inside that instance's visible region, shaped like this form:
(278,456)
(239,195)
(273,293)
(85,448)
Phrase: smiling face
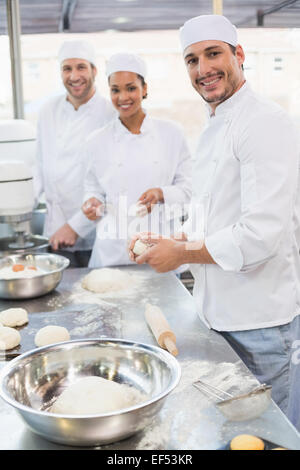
(78,77)
(127,92)
(215,71)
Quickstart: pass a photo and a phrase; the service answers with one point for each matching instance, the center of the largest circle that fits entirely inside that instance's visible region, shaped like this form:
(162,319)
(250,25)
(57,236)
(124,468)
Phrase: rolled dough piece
(51,334)
(139,247)
(9,338)
(94,395)
(106,280)
(13,317)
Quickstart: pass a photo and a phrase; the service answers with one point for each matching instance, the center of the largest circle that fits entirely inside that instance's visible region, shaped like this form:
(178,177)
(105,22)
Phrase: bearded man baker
(63,125)
(241,235)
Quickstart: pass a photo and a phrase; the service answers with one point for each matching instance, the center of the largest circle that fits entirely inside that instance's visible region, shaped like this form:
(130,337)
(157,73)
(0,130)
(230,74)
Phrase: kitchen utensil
(240,407)
(161,328)
(23,244)
(53,265)
(31,383)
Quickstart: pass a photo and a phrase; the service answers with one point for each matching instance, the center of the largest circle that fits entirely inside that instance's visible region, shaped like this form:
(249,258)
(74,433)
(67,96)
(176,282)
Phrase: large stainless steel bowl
(32,382)
(52,264)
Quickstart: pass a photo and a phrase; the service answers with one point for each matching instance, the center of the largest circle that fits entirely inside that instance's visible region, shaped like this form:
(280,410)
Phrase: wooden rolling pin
(161,328)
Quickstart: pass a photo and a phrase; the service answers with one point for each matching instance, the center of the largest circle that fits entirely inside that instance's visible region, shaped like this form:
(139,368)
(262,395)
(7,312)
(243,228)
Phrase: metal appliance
(17,156)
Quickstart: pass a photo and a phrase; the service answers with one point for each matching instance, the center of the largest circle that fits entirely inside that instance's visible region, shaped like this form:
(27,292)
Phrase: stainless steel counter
(188,420)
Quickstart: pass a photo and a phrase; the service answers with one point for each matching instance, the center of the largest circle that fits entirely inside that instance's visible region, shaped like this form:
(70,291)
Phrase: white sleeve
(269,159)
(179,192)
(79,222)
(92,185)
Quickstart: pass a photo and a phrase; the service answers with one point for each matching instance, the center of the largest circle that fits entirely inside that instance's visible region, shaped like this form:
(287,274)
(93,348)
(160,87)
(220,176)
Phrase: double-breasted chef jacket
(245,206)
(61,162)
(123,166)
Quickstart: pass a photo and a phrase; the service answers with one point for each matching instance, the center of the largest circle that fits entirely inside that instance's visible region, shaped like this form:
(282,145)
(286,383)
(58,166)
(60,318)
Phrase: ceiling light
(121,20)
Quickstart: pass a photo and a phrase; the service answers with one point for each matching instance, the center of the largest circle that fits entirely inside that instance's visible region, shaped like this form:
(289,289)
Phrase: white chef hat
(208,27)
(77,50)
(124,62)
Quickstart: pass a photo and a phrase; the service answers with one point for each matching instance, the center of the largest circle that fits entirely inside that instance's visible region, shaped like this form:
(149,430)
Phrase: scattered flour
(173,428)
(224,375)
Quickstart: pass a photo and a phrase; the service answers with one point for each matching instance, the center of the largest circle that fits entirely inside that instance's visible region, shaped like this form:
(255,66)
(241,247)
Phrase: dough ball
(51,334)
(246,442)
(13,317)
(139,247)
(9,338)
(94,395)
(106,280)
(138,210)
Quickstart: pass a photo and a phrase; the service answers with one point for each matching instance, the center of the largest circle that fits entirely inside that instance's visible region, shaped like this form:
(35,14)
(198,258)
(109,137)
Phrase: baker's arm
(268,154)
(167,254)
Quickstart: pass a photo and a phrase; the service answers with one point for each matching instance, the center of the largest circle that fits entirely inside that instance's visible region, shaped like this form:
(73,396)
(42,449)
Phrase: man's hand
(92,208)
(164,255)
(150,197)
(167,254)
(64,236)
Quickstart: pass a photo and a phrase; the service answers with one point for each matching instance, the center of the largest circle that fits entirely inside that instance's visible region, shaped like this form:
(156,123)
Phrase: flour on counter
(172,427)
(225,375)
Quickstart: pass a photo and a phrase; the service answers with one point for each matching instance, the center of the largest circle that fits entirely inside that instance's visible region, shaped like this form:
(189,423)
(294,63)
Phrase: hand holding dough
(138,210)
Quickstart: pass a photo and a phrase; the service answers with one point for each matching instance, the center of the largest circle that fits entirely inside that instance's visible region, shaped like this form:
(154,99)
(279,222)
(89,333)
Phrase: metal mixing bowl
(32,382)
(53,264)
(37,244)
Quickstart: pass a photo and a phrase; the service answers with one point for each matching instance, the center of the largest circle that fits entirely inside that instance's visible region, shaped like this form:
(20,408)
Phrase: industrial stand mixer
(17,148)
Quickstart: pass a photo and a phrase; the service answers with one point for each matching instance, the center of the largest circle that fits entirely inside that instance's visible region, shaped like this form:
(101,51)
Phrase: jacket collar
(82,107)
(228,106)
(120,131)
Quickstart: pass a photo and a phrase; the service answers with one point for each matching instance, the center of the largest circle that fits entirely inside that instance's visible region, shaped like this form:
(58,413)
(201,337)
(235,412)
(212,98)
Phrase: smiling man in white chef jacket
(241,235)
(63,126)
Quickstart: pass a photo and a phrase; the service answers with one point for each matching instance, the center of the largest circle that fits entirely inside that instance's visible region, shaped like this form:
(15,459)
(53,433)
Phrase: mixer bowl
(36,243)
(42,284)
(31,383)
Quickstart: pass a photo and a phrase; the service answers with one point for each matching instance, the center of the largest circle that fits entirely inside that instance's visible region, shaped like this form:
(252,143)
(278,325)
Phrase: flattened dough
(13,317)
(95,395)
(9,338)
(51,334)
(106,280)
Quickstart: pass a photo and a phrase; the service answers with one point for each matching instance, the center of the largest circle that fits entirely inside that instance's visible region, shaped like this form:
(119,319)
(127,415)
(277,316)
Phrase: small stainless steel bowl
(33,381)
(28,288)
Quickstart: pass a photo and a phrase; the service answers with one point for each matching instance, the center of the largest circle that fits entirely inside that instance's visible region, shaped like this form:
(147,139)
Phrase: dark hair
(233,50)
(141,78)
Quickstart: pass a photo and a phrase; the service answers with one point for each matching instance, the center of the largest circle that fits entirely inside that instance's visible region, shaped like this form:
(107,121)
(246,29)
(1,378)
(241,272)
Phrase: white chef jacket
(245,206)
(61,162)
(123,166)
